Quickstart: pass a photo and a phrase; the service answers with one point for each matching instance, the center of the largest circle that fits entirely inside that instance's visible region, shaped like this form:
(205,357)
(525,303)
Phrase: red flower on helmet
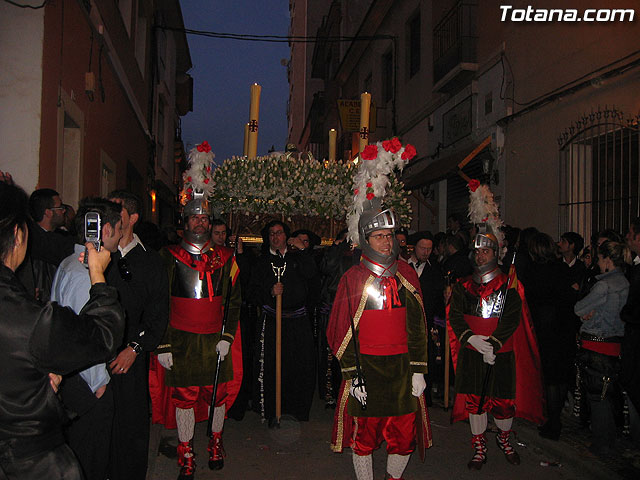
(204,147)
(369,184)
(409,152)
(189,178)
(392,145)
(370,196)
(206,181)
(370,152)
(356,191)
(473,185)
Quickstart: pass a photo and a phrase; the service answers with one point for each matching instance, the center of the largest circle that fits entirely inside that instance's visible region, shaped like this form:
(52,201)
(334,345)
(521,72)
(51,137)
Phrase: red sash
(486,326)
(196,315)
(383,332)
(606,348)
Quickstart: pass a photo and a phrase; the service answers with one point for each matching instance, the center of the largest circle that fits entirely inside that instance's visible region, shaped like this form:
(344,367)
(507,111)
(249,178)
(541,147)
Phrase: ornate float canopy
(295,188)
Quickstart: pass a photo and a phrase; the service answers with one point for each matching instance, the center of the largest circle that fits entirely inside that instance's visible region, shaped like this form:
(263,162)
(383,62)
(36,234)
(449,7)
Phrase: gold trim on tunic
(356,317)
(344,398)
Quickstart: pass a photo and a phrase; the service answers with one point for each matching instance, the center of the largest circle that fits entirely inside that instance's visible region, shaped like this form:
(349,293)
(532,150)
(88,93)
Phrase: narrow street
(301,451)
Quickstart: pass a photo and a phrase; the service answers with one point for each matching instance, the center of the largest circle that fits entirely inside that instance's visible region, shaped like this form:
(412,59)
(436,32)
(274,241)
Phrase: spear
(225,315)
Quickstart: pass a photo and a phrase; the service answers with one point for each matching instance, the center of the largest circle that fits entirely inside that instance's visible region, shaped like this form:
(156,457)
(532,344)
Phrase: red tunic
(350,297)
(528,389)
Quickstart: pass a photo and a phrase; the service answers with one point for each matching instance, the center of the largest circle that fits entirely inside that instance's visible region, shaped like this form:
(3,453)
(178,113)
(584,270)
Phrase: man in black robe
(296,269)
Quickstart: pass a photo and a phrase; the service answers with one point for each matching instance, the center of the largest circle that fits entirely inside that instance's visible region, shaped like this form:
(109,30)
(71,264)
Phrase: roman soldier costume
(489,306)
(377,331)
(199,276)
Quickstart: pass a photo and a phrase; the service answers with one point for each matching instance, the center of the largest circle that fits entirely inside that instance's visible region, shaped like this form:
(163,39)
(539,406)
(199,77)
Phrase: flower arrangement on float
(290,186)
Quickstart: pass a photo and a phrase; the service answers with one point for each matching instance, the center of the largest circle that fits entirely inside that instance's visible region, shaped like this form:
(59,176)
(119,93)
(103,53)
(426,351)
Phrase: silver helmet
(374,218)
(192,242)
(486,238)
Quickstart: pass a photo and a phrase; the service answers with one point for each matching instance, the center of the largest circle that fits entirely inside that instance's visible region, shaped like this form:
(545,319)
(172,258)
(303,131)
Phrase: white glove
(479,342)
(223,349)
(166,360)
(359,392)
(489,358)
(417,384)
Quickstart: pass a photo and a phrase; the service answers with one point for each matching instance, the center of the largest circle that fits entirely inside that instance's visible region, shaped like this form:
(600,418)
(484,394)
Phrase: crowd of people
(98,341)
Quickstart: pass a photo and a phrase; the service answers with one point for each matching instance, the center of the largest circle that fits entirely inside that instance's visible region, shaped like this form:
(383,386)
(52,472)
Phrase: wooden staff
(278,272)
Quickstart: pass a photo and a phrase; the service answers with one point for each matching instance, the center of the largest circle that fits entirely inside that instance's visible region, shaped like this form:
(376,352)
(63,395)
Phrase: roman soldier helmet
(196,242)
(484,213)
(374,218)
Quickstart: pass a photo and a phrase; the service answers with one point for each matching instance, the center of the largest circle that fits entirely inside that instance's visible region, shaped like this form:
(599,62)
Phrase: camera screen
(92,225)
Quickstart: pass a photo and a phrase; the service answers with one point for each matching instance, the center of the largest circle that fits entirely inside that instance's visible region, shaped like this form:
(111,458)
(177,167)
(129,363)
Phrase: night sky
(223,71)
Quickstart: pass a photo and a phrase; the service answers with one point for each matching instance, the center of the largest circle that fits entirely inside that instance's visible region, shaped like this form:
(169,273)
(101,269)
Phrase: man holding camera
(87,394)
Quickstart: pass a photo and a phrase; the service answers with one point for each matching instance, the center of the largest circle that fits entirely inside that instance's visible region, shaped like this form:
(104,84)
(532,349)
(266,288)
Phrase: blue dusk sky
(224,70)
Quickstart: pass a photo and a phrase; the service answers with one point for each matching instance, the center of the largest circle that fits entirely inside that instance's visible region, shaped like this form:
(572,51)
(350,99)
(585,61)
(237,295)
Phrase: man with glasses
(282,271)
(377,331)
(88,394)
(140,277)
(47,247)
(200,275)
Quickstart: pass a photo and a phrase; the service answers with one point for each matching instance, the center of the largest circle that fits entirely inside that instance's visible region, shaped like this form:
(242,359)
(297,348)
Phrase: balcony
(454,48)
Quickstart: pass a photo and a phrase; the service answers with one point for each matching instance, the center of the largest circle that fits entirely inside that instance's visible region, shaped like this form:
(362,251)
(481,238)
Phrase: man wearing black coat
(432,285)
(141,279)
(630,315)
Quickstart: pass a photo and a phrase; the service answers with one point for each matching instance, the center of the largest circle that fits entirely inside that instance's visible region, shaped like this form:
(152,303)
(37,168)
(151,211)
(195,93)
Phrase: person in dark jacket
(630,315)
(38,339)
(551,300)
(432,284)
(457,265)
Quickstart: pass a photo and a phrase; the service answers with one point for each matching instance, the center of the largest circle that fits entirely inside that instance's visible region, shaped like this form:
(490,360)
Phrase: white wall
(21,36)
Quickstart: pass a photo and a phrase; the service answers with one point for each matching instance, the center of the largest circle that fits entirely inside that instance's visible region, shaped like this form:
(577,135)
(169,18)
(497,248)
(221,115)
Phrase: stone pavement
(300,450)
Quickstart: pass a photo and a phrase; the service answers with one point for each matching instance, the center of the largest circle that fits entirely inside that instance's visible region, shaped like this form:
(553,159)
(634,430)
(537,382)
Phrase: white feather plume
(483,209)
(199,175)
(372,178)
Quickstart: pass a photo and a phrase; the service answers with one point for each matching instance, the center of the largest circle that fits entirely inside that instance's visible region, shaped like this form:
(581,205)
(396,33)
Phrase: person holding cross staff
(493,347)
(280,284)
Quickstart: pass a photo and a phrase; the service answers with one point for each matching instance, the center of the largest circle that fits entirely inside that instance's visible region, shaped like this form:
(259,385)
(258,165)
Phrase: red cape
(529,392)
(162,409)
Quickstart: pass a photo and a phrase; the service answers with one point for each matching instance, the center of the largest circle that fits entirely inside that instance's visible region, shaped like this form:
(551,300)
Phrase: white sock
(396,464)
(218,419)
(504,424)
(186,420)
(478,423)
(363,466)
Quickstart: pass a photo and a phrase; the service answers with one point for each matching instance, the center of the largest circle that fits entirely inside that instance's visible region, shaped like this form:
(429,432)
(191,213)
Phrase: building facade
(92,102)
(543,109)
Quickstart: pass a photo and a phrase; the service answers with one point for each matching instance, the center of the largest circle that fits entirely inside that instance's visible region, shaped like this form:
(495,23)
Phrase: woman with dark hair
(601,336)
(36,339)
(550,298)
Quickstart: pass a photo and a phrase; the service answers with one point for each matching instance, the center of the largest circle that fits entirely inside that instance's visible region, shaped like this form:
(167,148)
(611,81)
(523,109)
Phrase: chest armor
(188,284)
(490,306)
(376,296)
